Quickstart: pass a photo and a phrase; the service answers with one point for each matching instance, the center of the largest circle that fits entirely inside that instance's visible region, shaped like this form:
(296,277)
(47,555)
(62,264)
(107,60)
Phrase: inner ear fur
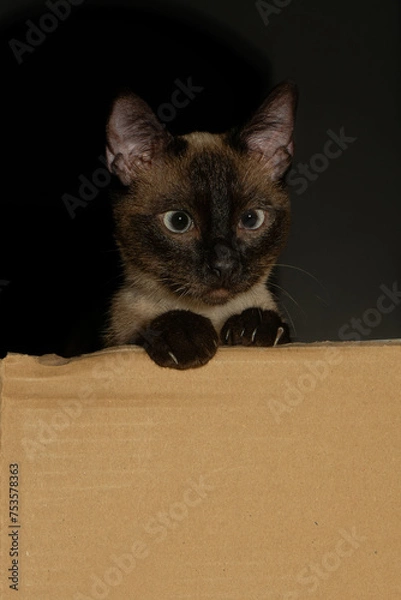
(135,137)
(269,133)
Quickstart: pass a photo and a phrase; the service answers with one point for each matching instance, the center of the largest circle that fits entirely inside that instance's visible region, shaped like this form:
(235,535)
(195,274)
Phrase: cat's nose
(222,259)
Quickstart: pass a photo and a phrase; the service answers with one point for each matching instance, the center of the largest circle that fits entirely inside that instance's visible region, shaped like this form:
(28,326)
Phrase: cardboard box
(268,474)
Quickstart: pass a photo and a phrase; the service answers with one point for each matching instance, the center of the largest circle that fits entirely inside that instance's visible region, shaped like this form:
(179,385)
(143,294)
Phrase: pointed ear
(269,133)
(135,137)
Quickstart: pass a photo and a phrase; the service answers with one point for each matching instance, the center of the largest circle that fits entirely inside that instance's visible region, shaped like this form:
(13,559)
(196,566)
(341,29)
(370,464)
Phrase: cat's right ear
(135,137)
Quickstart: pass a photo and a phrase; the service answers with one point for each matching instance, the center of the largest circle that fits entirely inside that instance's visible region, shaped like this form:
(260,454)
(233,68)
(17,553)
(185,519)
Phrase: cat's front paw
(180,339)
(255,327)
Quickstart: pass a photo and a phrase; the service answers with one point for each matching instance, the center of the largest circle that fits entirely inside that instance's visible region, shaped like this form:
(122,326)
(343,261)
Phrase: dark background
(344,245)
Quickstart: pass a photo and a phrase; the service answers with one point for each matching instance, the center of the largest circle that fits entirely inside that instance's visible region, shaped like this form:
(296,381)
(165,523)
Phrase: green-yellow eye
(252,219)
(177,221)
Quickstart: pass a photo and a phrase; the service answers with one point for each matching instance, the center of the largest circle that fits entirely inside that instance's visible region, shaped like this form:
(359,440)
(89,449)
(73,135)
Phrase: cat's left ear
(269,133)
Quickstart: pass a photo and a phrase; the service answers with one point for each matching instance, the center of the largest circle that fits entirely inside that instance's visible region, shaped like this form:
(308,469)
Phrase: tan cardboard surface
(269,474)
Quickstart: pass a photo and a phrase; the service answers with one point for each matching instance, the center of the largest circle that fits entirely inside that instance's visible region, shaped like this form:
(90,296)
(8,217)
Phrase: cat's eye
(177,221)
(252,219)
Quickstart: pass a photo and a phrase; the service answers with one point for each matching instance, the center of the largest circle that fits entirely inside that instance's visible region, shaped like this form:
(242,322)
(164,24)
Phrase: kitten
(200,220)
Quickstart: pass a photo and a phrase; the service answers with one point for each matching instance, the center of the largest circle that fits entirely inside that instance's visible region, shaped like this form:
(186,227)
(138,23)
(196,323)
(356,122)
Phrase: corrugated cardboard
(268,474)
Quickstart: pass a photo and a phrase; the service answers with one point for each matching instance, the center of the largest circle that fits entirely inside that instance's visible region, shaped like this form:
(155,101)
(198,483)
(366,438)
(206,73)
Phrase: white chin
(219,296)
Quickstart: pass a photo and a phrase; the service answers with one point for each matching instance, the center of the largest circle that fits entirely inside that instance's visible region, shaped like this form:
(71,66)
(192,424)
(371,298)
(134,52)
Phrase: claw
(227,334)
(279,334)
(242,333)
(173,357)
(253,334)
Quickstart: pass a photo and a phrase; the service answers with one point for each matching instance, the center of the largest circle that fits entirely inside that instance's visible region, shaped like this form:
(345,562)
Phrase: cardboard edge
(55,360)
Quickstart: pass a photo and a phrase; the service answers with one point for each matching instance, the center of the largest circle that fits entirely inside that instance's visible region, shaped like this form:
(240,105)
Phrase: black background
(344,243)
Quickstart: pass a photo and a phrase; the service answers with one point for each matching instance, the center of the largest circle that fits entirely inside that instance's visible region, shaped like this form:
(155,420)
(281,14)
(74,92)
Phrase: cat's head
(203,215)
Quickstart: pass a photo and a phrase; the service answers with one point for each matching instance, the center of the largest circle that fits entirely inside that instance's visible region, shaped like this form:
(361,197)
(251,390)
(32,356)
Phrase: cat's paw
(255,327)
(180,339)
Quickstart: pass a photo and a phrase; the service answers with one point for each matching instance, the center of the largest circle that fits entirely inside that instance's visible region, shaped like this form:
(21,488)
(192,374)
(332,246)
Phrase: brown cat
(200,220)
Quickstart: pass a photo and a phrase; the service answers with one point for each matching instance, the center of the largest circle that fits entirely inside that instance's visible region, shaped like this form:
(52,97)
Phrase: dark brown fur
(218,269)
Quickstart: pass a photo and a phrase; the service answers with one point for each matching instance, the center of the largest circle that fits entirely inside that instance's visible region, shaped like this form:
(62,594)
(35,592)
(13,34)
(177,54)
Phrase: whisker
(290,319)
(286,293)
(299,269)
(181,291)
(309,275)
(285,308)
